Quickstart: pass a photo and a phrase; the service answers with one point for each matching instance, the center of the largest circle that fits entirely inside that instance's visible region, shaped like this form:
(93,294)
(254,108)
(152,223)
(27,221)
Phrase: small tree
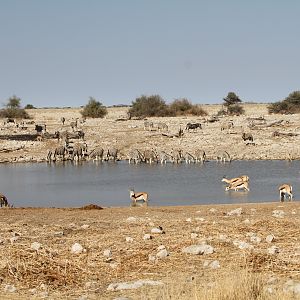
(13,109)
(94,109)
(149,106)
(29,106)
(290,104)
(183,106)
(231,102)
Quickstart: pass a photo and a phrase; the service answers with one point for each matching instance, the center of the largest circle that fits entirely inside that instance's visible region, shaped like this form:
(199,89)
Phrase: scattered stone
(82,297)
(147,236)
(188,220)
(255,239)
(278,213)
(270,238)
(131,220)
(224,238)
(35,246)
(151,258)
(198,249)
(134,285)
(85,226)
(9,288)
(59,233)
(235,212)
(273,250)
(162,252)
(76,248)
(194,235)
(200,219)
(214,264)
(247,221)
(107,253)
(157,230)
(14,239)
(129,239)
(113,265)
(213,210)
(292,286)
(242,245)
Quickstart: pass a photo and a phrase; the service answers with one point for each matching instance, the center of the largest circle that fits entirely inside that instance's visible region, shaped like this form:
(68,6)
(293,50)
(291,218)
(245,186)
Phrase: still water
(107,184)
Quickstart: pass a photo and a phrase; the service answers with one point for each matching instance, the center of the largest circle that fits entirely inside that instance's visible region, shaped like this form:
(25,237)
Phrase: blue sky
(61,52)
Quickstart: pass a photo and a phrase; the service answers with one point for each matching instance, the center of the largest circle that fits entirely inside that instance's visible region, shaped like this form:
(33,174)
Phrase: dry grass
(243,273)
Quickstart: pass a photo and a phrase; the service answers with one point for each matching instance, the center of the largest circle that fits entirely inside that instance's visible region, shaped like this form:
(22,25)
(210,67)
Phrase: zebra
(162,126)
(223,156)
(136,156)
(227,125)
(97,154)
(59,151)
(3,201)
(164,157)
(150,156)
(74,124)
(189,158)
(112,153)
(148,125)
(176,155)
(79,151)
(200,155)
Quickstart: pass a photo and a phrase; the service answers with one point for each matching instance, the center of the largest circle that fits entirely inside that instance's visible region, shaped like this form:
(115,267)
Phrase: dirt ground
(125,135)
(51,271)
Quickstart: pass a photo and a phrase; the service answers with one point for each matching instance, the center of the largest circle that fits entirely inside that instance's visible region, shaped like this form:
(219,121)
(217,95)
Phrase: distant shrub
(15,113)
(94,109)
(235,110)
(290,105)
(222,112)
(149,106)
(29,106)
(180,107)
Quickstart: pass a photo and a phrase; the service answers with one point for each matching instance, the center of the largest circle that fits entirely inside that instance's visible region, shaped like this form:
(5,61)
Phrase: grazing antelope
(285,190)
(138,196)
(3,201)
(238,186)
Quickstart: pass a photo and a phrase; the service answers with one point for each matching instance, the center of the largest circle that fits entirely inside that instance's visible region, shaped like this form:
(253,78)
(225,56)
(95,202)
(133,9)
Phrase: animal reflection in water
(237,183)
(138,198)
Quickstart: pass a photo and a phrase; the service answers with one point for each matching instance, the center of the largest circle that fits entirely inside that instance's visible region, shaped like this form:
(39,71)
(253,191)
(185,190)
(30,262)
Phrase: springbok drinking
(285,190)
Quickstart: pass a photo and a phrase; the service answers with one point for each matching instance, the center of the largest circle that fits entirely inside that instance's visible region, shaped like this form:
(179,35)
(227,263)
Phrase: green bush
(29,106)
(180,107)
(94,109)
(15,113)
(235,110)
(149,106)
(290,105)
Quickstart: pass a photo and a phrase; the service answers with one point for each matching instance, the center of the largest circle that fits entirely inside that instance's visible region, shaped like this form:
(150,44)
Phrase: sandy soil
(52,271)
(127,135)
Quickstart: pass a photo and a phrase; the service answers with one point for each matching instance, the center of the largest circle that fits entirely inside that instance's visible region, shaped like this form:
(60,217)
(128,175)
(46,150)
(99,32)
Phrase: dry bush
(15,113)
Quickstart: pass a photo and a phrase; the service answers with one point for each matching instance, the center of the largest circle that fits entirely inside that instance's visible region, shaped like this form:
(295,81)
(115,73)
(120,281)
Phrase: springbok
(138,196)
(243,178)
(238,186)
(285,190)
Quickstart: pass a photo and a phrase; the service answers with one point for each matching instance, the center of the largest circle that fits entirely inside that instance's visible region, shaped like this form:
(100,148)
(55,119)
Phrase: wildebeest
(247,137)
(112,153)
(3,201)
(193,126)
(40,128)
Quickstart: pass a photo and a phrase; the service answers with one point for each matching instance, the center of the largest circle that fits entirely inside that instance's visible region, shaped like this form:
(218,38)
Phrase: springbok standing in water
(285,190)
(3,201)
(134,196)
(238,186)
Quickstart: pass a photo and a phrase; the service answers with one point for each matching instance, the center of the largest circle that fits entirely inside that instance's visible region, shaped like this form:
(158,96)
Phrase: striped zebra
(97,154)
(136,156)
(3,201)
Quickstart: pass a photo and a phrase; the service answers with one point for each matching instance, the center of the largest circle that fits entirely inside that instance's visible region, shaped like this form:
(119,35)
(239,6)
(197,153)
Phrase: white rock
(161,247)
(151,224)
(151,258)
(206,263)
(162,254)
(292,286)
(14,239)
(131,220)
(247,221)
(255,239)
(242,245)
(214,264)
(147,236)
(235,212)
(157,230)
(270,238)
(76,248)
(188,220)
(9,288)
(278,213)
(85,226)
(132,285)
(107,253)
(213,210)
(113,265)
(35,246)
(198,249)
(273,250)
(129,239)
(200,219)
(194,235)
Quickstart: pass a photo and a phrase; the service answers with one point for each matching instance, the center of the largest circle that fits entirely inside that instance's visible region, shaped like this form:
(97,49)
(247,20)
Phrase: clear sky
(61,52)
